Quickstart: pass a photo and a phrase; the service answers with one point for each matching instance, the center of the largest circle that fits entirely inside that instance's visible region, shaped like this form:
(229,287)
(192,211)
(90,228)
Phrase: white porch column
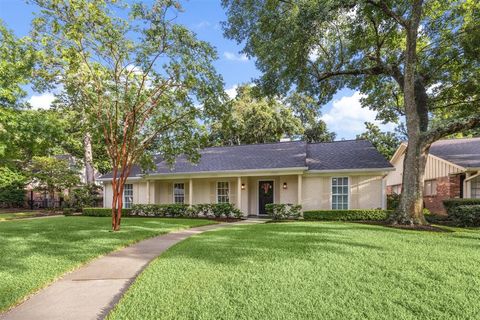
(190,191)
(384,194)
(239,193)
(148,191)
(299,189)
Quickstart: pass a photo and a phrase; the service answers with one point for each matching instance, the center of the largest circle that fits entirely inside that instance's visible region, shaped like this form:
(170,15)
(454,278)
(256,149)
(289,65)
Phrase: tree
(385,142)
(308,111)
(253,119)
(16,64)
(410,58)
(144,80)
(53,174)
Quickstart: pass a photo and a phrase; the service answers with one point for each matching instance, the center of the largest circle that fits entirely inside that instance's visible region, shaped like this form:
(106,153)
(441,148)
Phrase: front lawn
(35,252)
(17,215)
(311,270)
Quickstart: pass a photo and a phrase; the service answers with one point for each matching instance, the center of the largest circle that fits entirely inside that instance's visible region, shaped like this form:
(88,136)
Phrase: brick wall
(447,187)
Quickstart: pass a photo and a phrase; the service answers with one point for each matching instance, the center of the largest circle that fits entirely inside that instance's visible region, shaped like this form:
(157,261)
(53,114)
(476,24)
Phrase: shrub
(103,212)
(466,216)
(204,209)
(68,211)
(160,210)
(281,211)
(451,204)
(222,209)
(392,201)
(347,215)
(85,196)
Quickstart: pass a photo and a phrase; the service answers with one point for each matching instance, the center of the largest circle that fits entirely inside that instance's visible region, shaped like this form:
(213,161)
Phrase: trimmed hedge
(282,211)
(217,210)
(466,216)
(451,204)
(103,212)
(347,215)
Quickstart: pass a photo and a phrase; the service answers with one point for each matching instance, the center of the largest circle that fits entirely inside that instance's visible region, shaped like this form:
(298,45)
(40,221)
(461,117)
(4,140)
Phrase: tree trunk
(88,158)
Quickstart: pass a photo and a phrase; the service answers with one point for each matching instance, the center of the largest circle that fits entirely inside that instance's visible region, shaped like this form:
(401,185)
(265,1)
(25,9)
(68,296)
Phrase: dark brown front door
(265,195)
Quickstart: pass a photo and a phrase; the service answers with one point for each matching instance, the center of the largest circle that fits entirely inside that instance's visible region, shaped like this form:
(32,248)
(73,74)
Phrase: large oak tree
(143,79)
(416,59)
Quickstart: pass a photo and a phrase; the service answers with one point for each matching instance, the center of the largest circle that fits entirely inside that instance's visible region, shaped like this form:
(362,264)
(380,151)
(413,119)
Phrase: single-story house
(336,175)
(452,171)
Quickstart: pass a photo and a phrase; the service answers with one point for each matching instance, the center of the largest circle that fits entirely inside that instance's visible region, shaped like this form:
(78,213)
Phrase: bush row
(282,211)
(103,212)
(466,216)
(347,215)
(451,204)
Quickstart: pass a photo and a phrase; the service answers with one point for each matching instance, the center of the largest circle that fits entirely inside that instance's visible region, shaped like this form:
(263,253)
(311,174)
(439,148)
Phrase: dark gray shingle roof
(462,152)
(352,154)
(341,155)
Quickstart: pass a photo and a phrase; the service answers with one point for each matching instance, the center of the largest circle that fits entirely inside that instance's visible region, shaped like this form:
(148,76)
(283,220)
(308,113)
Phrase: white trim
(370,170)
(129,179)
(472,177)
(448,162)
(216,191)
(398,152)
(384,193)
(348,192)
(257,190)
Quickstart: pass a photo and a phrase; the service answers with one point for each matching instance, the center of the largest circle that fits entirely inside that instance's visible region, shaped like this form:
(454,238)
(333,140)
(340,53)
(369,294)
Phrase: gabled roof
(328,156)
(462,152)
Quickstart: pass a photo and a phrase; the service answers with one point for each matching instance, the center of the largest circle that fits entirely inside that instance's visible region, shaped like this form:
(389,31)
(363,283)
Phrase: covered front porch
(250,193)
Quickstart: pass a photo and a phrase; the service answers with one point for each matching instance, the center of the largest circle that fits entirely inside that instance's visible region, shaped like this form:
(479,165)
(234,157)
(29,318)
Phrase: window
(223,192)
(128,196)
(340,193)
(476,188)
(397,189)
(430,188)
(179,193)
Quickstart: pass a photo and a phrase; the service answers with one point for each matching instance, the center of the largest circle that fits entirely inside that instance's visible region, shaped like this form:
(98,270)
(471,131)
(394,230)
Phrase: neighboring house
(335,175)
(452,171)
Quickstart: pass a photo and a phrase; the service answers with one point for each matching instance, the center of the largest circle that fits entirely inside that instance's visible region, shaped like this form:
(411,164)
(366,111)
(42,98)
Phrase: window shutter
(232,189)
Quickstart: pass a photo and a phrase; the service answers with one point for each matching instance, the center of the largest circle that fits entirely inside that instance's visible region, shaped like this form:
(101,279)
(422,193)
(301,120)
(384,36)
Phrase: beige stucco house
(337,175)
(452,171)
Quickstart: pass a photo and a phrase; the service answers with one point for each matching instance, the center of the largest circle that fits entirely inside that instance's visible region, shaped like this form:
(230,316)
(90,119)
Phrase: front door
(265,195)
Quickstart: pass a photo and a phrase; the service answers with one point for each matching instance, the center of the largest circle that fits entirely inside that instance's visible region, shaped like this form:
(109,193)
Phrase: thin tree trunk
(88,158)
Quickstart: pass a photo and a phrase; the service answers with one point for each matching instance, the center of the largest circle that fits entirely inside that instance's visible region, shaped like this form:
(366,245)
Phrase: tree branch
(445,129)
(389,12)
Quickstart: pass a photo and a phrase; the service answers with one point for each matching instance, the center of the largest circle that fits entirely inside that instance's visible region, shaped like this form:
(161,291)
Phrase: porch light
(284,185)
(243,186)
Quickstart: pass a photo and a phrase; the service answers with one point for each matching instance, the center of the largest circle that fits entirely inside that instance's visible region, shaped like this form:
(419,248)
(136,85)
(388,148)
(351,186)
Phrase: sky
(343,115)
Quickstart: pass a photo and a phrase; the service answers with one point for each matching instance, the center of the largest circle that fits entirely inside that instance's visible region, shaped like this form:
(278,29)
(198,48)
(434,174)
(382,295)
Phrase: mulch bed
(429,228)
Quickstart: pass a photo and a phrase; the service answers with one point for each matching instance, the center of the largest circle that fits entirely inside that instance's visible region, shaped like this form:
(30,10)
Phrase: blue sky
(343,114)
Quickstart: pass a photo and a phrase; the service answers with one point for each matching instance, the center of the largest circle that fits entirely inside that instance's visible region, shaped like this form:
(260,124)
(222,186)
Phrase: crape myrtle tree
(417,59)
(144,80)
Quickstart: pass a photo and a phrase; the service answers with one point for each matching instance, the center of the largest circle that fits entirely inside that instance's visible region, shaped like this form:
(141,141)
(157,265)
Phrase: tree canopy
(415,59)
(385,142)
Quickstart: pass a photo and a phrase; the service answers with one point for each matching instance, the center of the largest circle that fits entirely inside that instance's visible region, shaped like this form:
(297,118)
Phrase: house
(336,175)
(452,171)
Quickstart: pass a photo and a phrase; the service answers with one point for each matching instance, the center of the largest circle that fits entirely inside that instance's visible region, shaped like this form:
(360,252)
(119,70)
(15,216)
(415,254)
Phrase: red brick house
(452,171)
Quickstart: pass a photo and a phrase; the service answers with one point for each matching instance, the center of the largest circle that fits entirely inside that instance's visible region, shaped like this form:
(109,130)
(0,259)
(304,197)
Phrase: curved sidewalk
(91,291)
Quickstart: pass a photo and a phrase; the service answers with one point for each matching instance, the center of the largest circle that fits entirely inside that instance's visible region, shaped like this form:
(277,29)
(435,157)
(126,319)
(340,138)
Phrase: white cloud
(43,101)
(202,24)
(347,117)
(235,57)
(232,92)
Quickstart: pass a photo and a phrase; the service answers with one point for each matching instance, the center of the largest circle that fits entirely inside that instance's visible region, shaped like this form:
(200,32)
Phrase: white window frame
(475,188)
(175,196)
(397,187)
(127,204)
(218,195)
(340,194)
(427,188)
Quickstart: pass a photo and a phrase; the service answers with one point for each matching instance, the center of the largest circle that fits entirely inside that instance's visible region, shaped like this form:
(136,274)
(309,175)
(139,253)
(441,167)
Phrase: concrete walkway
(92,291)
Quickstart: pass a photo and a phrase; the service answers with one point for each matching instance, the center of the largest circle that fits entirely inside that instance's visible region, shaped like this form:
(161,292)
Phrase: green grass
(35,252)
(16,215)
(311,270)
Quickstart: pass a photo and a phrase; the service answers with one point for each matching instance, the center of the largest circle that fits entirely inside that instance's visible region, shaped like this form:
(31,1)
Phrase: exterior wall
(435,168)
(365,191)
(447,188)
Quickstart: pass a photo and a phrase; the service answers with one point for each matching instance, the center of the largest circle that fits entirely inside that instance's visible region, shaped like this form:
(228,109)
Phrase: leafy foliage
(385,142)
(347,215)
(254,119)
(84,196)
(282,211)
(466,216)
(12,183)
(53,174)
